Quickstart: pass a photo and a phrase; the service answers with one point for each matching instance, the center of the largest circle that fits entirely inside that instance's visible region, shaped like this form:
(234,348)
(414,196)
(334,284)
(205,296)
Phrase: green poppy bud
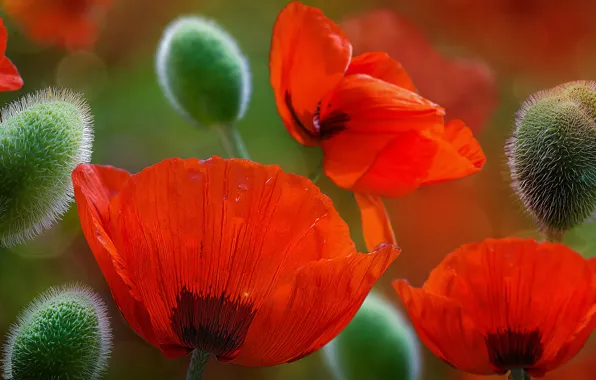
(43,137)
(202,72)
(63,334)
(378,344)
(552,156)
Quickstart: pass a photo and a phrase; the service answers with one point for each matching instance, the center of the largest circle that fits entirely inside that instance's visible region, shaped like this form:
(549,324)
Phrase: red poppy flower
(505,304)
(10,79)
(225,256)
(69,23)
(465,88)
(379,138)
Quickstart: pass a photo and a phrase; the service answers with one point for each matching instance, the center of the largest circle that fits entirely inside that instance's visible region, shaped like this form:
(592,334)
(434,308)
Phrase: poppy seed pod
(202,72)
(378,344)
(63,334)
(43,137)
(552,156)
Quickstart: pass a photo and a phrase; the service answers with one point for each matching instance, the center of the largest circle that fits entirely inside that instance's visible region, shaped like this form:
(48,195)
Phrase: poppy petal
(10,79)
(308,311)
(526,287)
(381,66)
(205,242)
(459,154)
(309,56)
(94,186)
(376,224)
(366,121)
(445,329)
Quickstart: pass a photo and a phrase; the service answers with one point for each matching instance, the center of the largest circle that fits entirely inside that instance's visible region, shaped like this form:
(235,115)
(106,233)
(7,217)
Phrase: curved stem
(316,174)
(518,374)
(232,142)
(198,361)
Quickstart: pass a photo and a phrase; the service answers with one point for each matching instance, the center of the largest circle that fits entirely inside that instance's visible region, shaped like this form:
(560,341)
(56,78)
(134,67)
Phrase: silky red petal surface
(309,56)
(379,65)
(10,79)
(94,186)
(466,88)
(193,234)
(525,286)
(458,155)
(381,119)
(308,311)
(445,328)
(376,224)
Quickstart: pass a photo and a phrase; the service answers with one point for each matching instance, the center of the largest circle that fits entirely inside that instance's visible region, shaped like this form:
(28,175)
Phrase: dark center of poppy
(508,349)
(215,324)
(326,128)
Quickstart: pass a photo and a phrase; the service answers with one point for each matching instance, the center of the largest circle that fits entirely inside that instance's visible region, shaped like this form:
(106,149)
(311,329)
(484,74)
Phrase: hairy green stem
(232,142)
(197,365)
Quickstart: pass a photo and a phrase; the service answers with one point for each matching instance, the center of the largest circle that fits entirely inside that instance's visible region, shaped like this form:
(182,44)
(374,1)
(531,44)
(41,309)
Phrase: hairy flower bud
(202,72)
(63,334)
(43,137)
(552,156)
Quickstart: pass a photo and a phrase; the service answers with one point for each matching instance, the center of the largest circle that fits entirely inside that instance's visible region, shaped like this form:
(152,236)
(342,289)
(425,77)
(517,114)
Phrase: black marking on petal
(288,101)
(215,324)
(334,123)
(509,348)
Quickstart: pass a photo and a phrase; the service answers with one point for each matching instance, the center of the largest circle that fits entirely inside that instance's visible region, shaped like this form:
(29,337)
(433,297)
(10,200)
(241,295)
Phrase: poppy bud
(43,137)
(63,334)
(378,344)
(202,72)
(552,156)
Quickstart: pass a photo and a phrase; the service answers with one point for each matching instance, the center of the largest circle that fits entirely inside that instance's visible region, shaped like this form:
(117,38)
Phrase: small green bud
(202,72)
(43,137)
(63,334)
(378,344)
(552,156)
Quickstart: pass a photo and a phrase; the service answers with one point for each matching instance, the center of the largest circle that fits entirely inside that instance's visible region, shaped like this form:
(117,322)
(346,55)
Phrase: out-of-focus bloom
(547,37)
(552,156)
(379,138)
(465,88)
(10,79)
(227,257)
(69,23)
(505,304)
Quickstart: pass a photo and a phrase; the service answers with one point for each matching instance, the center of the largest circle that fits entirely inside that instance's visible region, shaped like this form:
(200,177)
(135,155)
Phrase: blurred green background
(135,127)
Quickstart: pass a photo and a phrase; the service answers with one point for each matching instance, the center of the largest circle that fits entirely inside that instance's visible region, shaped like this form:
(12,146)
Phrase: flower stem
(232,142)
(316,174)
(518,374)
(197,365)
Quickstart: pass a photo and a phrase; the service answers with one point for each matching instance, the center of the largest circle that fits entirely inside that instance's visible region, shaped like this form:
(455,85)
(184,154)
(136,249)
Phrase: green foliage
(378,344)
(64,334)
(43,137)
(552,156)
(203,72)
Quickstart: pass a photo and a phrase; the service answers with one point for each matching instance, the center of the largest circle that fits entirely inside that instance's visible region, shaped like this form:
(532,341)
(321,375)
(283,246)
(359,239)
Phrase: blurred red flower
(465,88)
(534,36)
(68,23)
(230,257)
(10,79)
(505,304)
(379,138)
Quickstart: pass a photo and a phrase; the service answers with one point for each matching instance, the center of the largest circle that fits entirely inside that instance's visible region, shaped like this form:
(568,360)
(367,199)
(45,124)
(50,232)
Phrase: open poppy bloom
(228,257)
(508,304)
(379,137)
(68,23)
(10,79)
